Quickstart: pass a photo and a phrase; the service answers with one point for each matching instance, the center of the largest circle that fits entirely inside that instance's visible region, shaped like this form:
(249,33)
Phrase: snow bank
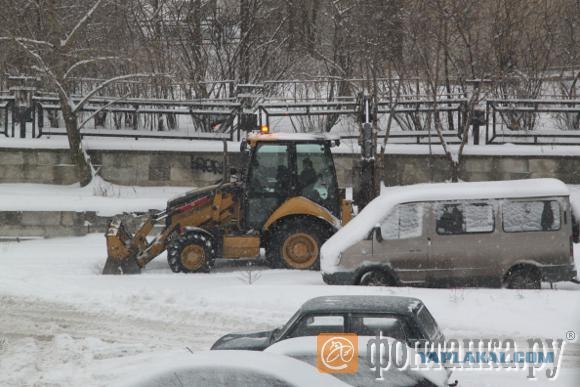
(104,198)
(360,226)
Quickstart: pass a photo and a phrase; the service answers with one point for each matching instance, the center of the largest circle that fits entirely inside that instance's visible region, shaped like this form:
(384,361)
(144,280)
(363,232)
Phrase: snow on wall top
(282,136)
(359,227)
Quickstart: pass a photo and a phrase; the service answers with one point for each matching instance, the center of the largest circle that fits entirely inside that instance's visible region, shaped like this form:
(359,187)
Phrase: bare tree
(62,53)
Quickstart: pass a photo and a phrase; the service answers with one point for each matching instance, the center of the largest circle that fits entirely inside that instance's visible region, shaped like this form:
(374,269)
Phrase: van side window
(404,222)
(464,218)
(524,216)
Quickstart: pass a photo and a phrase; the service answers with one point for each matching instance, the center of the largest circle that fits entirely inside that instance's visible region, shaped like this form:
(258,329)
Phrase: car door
(465,242)
(403,241)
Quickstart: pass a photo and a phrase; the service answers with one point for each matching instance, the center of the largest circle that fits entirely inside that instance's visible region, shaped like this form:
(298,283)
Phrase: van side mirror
(378,233)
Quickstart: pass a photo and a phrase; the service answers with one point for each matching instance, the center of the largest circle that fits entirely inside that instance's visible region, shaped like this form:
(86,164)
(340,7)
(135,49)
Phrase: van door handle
(415,250)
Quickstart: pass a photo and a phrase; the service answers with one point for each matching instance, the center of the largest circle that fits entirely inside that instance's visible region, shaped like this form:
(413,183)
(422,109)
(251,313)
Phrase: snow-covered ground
(64,324)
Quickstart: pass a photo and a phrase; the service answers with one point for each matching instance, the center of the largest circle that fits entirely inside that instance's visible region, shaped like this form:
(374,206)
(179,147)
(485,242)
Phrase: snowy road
(63,324)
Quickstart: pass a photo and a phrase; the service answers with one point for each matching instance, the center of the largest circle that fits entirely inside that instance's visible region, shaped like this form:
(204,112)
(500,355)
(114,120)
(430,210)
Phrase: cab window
(316,176)
(269,169)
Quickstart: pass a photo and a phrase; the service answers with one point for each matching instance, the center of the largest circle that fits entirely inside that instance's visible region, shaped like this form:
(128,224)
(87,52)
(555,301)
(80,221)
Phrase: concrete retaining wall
(18,224)
(145,168)
(49,223)
(159,168)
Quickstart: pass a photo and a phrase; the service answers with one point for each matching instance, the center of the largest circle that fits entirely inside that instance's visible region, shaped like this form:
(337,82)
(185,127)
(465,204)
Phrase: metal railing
(531,121)
(143,118)
(517,121)
(415,118)
(6,102)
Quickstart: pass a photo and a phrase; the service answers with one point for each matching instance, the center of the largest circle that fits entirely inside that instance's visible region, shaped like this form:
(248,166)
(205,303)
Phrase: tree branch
(81,23)
(107,83)
(101,109)
(26,40)
(44,68)
(87,61)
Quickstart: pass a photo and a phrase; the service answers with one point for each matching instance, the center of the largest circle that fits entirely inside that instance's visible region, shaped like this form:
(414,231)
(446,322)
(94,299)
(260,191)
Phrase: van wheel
(523,278)
(376,278)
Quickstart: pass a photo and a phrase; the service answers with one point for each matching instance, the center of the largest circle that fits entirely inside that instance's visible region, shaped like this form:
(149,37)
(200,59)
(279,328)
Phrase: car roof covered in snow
(525,188)
(305,137)
(362,303)
(216,368)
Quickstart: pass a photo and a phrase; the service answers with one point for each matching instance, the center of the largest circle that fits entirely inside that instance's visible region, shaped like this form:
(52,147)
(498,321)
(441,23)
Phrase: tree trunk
(244,76)
(78,154)
(454,166)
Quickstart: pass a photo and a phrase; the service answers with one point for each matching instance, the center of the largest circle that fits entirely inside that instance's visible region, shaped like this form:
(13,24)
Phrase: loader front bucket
(121,257)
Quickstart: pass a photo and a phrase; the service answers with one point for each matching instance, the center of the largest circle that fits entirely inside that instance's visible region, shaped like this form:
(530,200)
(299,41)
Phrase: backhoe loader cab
(287,203)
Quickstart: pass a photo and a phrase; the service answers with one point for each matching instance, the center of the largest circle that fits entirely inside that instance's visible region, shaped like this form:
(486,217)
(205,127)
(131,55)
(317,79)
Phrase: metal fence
(6,102)
(141,118)
(414,121)
(530,121)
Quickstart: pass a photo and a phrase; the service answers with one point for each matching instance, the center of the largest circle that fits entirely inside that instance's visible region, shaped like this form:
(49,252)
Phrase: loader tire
(192,252)
(295,245)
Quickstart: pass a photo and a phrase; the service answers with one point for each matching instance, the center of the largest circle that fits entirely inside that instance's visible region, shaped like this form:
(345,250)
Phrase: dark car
(403,318)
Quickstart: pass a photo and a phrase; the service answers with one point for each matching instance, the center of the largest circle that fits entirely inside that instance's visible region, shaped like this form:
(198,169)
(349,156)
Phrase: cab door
(269,182)
(316,176)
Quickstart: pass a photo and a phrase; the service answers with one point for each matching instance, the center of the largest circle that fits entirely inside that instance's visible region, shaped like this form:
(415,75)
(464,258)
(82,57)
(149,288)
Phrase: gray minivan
(510,233)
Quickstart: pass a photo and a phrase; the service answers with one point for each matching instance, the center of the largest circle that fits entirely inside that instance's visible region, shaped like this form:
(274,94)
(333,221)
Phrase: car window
(390,326)
(313,325)
(524,216)
(404,222)
(464,218)
(428,323)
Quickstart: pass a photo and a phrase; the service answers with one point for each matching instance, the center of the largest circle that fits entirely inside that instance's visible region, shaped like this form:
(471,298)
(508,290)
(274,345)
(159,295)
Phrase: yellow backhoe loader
(287,202)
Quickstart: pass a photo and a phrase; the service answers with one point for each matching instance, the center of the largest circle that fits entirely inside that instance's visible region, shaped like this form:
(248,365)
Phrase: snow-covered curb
(104,198)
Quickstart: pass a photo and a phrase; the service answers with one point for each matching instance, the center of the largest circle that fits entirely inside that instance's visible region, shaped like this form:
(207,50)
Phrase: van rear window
(522,216)
(464,218)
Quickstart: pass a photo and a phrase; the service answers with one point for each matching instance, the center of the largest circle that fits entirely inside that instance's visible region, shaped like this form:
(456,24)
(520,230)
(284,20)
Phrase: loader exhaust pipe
(226,164)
